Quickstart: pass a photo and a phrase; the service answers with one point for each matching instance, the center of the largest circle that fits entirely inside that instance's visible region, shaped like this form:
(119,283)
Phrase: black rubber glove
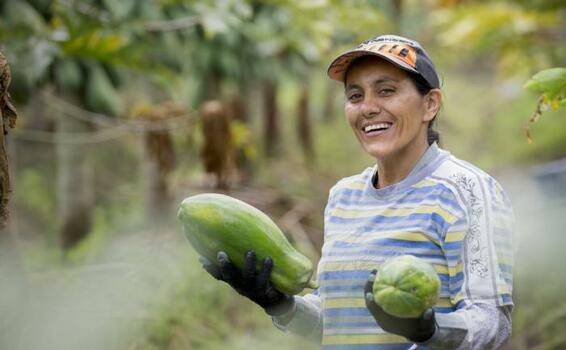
(251,284)
(415,329)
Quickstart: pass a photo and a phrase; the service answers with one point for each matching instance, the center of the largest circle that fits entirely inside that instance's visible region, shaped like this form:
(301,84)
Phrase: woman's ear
(433,102)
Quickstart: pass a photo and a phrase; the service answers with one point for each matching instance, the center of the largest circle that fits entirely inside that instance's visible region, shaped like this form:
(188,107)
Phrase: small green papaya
(405,286)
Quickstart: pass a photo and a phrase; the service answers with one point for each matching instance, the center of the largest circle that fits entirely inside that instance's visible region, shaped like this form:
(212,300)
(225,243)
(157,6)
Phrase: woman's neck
(396,168)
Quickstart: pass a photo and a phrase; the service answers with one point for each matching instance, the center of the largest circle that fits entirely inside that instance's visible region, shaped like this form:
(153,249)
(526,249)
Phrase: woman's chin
(379,151)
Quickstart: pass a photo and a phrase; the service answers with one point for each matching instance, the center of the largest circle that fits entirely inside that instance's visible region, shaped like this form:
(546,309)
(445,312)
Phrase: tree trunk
(271,135)
(159,163)
(239,112)
(304,129)
(8,116)
(397,16)
(238,108)
(217,152)
(74,185)
(159,159)
(4,178)
(329,108)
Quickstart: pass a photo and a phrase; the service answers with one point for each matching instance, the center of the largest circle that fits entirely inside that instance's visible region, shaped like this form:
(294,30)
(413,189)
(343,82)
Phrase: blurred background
(127,107)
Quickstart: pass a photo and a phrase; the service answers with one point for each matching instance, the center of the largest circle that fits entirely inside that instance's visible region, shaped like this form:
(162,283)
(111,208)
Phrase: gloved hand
(415,329)
(255,286)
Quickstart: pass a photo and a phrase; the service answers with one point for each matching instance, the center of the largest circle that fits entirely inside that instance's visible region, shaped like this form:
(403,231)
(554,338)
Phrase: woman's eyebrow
(351,87)
(377,81)
(385,80)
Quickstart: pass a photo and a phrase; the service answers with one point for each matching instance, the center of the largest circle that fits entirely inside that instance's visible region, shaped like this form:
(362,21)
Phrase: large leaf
(19,13)
(95,44)
(100,95)
(121,9)
(551,82)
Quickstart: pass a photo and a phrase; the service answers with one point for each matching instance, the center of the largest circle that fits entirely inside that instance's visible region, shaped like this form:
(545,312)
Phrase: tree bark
(271,134)
(4,180)
(217,152)
(8,116)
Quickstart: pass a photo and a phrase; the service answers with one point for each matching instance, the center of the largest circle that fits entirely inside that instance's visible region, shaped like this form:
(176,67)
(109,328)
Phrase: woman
(418,199)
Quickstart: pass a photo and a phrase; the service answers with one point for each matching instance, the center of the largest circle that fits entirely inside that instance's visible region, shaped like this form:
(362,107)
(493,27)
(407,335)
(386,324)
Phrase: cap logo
(395,51)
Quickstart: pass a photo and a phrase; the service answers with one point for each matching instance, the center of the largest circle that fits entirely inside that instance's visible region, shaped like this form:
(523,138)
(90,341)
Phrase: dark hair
(423,88)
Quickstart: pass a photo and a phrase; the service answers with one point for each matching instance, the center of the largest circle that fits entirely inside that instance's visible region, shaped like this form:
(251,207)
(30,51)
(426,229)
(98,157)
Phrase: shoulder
(352,183)
(472,185)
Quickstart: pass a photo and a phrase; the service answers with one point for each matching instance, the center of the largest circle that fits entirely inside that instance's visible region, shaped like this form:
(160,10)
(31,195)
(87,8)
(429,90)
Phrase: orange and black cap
(405,53)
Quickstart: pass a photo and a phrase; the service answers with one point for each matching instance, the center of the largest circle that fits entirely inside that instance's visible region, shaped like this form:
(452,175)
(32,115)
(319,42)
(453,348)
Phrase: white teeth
(377,127)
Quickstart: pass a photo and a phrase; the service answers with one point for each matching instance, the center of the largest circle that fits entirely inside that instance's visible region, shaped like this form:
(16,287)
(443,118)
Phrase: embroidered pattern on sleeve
(475,210)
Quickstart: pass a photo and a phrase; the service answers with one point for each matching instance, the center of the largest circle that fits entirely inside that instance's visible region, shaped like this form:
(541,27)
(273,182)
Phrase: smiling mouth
(376,128)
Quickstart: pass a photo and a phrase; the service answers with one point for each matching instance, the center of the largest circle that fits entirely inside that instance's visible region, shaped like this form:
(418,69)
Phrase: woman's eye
(354,97)
(386,91)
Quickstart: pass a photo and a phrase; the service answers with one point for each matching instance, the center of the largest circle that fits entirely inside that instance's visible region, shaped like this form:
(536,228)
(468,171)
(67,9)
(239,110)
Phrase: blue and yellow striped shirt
(446,212)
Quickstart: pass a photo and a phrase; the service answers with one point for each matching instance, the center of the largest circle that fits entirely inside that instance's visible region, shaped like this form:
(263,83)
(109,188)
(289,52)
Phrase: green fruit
(406,286)
(215,222)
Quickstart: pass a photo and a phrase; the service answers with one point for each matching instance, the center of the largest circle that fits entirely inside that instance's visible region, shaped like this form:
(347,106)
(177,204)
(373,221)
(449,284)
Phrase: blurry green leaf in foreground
(551,83)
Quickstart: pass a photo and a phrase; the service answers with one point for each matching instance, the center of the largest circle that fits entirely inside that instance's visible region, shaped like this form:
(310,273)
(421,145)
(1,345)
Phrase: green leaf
(120,9)
(100,95)
(551,82)
(20,13)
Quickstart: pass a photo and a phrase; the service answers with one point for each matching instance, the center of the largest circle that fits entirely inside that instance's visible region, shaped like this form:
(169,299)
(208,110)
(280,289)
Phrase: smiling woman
(417,199)
(388,115)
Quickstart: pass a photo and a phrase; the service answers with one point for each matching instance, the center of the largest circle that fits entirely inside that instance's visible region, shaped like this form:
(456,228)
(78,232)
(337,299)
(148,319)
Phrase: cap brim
(338,68)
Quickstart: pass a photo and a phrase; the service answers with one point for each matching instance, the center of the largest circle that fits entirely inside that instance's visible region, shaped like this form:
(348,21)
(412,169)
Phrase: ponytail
(432,134)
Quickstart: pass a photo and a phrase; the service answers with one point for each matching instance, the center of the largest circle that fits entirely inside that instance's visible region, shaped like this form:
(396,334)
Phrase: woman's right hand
(250,283)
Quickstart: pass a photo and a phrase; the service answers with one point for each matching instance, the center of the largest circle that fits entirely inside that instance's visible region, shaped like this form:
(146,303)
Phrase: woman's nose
(370,107)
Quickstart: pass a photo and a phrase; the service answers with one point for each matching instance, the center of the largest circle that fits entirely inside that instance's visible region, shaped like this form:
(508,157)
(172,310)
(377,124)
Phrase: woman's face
(386,112)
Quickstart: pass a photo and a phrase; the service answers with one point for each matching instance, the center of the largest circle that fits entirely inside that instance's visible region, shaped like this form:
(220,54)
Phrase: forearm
(477,327)
(304,319)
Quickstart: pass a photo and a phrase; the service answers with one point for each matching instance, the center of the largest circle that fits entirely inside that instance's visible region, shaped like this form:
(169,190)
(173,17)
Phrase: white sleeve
(483,267)
(305,318)
(476,327)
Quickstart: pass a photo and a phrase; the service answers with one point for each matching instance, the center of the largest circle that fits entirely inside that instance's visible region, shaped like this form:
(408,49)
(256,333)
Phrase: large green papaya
(214,222)
(406,286)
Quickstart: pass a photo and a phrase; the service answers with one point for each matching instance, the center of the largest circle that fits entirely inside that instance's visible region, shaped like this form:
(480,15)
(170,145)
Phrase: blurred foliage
(551,84)
(519,38)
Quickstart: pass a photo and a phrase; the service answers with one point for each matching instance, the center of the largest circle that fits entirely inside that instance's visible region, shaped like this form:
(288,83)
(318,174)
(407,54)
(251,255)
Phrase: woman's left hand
(418,329)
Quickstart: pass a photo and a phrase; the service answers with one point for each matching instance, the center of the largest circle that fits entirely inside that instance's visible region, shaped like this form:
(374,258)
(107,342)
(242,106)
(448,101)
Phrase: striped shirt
(446,211)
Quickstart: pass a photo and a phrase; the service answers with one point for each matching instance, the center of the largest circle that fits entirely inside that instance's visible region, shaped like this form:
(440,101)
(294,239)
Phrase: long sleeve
(479,251)
(304,320)
(479,326)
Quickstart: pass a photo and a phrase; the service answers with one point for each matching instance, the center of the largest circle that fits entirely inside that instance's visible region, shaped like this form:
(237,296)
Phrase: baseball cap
(405,53)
